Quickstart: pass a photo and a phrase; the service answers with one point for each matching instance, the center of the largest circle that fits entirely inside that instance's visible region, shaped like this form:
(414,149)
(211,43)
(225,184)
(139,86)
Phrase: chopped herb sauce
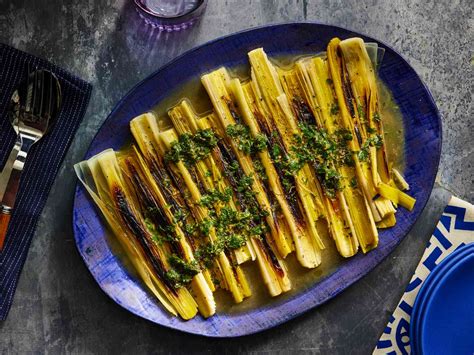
(245,142)
(191,148)
(375,140)
(215,196)
(181,272)
(334,108)
(320,149)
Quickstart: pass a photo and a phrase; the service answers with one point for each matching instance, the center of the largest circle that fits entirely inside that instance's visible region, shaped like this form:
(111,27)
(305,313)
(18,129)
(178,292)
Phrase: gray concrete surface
(59,309)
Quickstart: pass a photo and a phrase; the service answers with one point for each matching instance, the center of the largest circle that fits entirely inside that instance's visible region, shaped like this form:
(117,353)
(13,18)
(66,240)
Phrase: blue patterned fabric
(43,161)
(455,229)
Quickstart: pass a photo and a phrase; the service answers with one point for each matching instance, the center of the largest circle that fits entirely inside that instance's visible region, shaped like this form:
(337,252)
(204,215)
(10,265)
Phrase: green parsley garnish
(245,142)
(160,234)
(376,117)
(375,140)
(181,272)
(334,108)
(353,182)
(192,148)
(214,196)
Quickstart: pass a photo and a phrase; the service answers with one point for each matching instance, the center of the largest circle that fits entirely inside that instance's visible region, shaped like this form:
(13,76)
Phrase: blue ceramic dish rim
(426,291)
(118,105)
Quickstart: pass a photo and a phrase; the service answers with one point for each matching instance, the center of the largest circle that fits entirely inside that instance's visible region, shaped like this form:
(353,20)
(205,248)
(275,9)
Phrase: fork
(35,105)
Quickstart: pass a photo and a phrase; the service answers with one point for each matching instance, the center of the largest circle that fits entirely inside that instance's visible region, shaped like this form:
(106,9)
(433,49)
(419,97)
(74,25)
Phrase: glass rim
(144,9)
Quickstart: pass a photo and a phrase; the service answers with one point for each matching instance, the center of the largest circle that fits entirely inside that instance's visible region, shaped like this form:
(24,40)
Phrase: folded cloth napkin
(455,228)
(43,160)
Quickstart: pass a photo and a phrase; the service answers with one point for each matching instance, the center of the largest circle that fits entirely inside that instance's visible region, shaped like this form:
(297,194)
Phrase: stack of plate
(442,320)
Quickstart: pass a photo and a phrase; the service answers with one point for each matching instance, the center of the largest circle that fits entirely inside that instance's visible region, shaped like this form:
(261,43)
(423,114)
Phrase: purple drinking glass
(170,15)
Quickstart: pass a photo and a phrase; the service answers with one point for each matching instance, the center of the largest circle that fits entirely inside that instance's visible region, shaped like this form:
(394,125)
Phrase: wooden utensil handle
(8,167)
(4,222)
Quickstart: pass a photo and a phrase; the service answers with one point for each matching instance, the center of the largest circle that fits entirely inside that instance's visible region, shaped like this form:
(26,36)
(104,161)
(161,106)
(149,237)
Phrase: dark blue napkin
(43,160)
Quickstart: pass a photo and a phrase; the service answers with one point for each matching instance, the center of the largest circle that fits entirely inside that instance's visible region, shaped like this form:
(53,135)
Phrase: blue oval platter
(422,152)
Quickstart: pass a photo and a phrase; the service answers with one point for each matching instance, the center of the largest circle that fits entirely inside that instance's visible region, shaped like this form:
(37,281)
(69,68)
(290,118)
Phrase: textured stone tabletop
(59,308)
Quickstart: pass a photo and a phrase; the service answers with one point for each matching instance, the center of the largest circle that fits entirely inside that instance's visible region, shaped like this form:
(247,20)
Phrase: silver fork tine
(34,90)
(35,94)
(41,90)
(49,99)
(29,95)
(37,91)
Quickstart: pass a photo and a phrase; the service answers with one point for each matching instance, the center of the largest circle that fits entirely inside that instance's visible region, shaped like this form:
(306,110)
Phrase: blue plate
(422,150)
(425,292)
(443,313)
(448,321)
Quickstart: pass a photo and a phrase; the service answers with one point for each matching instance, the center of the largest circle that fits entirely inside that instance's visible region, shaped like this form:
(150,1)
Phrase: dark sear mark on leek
(280,159)
(277,152)
(270,193)
(271,257)
(180,186)
(232,108)
(346,85)
(302,111)
(162,230)
(260,171)
(200,185)
(166,181)
(173,195)
(385,161)
(226,164)
(172,186)
(157,223)
(347,92)
(313,146)
(357,132)
(242,186)
(376,197)
(350,103)
(139,232)
(241,183)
